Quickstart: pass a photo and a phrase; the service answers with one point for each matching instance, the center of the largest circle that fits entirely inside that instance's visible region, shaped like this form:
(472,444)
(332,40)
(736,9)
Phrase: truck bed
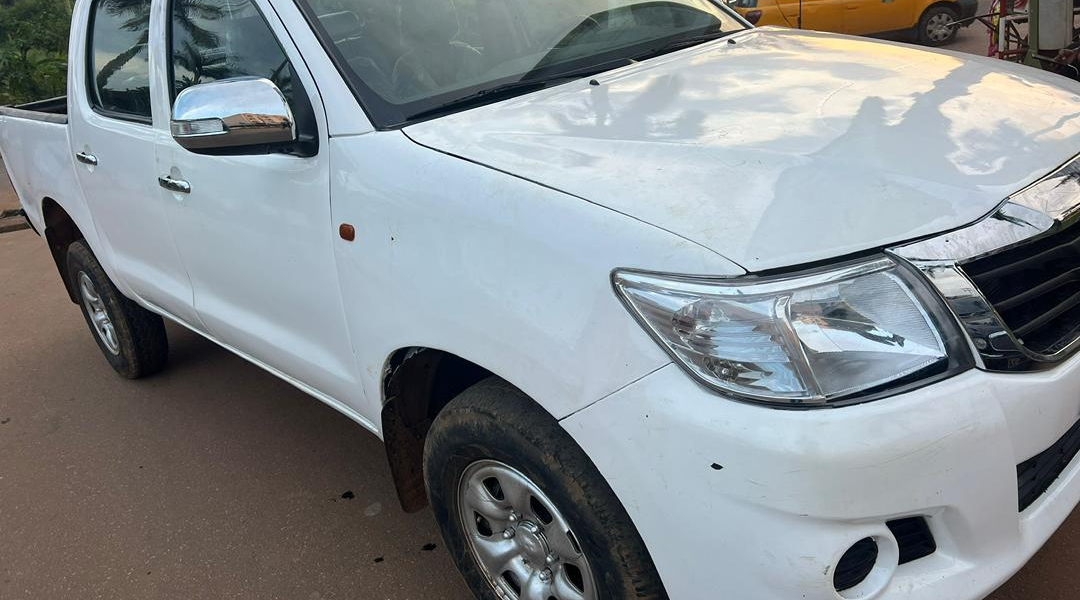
(36,152)
(53,110)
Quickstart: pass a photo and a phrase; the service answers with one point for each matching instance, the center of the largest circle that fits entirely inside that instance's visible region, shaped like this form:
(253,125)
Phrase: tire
(494,433)
(132,338)
(931,28)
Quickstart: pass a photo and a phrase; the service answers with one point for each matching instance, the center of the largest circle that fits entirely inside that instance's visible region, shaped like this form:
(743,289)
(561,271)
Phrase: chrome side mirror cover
(232,113)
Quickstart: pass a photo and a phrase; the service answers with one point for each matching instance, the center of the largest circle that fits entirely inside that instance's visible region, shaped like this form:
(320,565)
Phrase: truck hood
(783,147)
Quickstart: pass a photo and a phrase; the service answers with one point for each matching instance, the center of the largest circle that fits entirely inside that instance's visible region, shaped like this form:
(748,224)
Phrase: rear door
(816,15)
(876,16)
(255,230)
(763,12)
(113,140)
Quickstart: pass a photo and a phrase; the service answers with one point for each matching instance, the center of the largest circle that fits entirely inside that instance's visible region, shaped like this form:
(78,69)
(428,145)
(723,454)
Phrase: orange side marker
(347,232)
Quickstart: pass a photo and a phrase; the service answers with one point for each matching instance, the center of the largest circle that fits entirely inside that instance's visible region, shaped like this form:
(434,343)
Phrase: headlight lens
(810,339)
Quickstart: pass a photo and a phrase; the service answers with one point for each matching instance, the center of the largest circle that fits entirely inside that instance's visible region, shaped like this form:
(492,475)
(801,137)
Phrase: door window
(119,60)
(222,39)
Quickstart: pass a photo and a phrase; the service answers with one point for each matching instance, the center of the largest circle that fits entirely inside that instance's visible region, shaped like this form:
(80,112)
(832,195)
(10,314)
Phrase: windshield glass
(409,58)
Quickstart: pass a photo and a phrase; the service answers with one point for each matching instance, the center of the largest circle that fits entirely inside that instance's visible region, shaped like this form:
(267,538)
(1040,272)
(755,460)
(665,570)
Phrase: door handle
(174,185)
(86,158)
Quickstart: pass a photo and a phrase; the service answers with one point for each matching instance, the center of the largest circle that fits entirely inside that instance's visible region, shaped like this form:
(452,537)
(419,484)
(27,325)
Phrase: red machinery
(1040,33)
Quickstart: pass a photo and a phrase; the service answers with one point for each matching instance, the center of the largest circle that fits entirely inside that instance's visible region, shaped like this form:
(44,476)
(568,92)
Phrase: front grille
(1035,287)
(1035,475)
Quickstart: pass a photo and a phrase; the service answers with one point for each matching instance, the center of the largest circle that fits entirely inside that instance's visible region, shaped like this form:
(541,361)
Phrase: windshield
(408,58)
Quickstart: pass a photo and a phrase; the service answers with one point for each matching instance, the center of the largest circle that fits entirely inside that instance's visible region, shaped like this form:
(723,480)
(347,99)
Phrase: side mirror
(232,113)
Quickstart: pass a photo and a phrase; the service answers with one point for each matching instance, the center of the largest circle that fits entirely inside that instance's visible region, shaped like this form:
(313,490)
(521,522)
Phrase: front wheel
(937,26)
(524,512)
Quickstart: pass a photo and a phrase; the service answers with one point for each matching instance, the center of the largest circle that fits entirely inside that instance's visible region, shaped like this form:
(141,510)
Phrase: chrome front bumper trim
(1043,209)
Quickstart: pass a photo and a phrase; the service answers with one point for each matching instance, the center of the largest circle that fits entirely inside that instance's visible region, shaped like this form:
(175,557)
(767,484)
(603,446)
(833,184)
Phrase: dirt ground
(211,481)
(215,480)
(974,39)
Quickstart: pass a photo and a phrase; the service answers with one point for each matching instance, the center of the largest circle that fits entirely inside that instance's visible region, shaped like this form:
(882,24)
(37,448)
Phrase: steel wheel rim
(99,317)
(938,27)
(522,543)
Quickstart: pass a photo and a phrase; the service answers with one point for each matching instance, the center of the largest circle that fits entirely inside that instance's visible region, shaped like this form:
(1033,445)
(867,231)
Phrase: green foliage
(33,49)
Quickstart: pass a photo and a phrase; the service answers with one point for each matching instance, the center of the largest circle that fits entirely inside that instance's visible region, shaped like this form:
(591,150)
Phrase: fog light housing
(868,566)
(856,564)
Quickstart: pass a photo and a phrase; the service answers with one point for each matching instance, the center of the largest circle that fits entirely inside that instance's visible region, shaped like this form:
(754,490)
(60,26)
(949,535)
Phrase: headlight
(812,339)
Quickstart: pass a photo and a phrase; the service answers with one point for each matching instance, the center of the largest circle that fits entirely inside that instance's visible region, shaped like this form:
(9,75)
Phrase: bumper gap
(1035,475)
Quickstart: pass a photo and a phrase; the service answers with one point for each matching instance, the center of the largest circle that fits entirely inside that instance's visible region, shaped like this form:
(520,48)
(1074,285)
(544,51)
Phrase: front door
(113,137)
(255,231)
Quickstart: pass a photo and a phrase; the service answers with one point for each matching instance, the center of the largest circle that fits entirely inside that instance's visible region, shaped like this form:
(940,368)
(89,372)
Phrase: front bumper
(740,501)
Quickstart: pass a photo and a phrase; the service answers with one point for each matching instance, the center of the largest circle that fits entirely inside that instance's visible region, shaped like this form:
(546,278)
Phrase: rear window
(119,60)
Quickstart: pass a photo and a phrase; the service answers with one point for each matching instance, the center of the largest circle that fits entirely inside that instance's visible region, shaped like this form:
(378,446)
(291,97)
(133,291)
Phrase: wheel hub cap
(939,27)
(531,543)
(99,317)
(519,539)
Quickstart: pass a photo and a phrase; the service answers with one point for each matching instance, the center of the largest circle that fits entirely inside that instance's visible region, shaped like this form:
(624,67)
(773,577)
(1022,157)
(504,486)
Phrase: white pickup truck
(645,302)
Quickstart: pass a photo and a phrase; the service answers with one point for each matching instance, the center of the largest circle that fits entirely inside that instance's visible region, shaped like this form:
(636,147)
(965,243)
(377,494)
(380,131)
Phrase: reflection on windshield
(413,55)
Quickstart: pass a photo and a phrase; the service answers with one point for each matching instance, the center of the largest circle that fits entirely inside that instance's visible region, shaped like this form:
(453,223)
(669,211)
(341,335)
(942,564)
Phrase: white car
(645,303)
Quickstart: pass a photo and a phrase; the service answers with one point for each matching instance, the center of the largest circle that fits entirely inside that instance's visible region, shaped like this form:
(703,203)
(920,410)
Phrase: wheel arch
(60,232)
(949,4)
(417,383)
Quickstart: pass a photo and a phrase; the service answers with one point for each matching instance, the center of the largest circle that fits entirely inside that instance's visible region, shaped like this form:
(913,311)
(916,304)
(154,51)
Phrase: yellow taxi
(933,22)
